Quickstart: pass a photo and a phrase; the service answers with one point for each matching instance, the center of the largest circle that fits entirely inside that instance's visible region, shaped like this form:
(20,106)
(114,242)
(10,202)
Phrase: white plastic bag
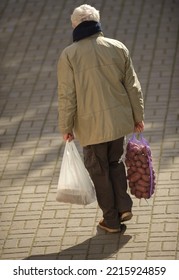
(74,185)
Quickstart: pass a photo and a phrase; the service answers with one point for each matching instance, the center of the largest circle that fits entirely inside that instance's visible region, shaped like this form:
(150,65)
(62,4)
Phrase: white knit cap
(84,13)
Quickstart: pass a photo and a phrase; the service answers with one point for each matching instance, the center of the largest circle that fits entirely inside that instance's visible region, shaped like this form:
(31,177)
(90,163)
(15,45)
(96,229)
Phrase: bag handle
(141,139)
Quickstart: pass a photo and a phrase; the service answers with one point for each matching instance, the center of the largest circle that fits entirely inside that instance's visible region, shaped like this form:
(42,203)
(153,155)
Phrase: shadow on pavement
(99,247)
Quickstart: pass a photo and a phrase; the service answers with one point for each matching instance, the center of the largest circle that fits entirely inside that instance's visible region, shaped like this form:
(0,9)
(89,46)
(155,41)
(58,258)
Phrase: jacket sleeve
(133,88)
(66,94)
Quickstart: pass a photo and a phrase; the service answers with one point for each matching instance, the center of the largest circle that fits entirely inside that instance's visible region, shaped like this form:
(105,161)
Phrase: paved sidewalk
(33,225)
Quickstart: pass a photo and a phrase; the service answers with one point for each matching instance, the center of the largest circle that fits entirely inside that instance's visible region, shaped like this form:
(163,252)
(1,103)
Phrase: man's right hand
(68,137)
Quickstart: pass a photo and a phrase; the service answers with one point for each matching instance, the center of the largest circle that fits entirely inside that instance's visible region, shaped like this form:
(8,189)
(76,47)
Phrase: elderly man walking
(100,102)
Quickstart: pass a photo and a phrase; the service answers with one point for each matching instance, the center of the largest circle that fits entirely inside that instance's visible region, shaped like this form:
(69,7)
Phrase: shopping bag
(74,185)
(140,171)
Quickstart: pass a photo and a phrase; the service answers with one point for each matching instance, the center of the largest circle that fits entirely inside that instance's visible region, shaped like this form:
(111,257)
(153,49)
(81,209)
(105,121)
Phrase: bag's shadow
(102,246)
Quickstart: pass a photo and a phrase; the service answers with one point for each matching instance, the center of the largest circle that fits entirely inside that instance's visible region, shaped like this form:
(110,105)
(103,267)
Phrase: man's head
(84,13)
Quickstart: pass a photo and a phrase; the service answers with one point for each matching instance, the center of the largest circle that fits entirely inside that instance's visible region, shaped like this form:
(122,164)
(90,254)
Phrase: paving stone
(155,246)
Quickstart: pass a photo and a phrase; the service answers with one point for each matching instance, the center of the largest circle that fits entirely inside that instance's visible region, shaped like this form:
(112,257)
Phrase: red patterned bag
(140,172)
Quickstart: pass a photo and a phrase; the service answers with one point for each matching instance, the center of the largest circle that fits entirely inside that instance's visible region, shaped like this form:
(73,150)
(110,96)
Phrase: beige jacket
(99,95)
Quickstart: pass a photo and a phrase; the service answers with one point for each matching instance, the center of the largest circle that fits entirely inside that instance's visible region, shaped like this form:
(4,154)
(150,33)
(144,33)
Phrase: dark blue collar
(86,29)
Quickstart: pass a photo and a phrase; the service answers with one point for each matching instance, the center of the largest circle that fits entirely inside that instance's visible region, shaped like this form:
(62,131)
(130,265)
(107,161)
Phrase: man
(100,101)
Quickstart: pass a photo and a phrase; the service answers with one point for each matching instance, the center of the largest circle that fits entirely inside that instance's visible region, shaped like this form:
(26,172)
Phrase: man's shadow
(102,246)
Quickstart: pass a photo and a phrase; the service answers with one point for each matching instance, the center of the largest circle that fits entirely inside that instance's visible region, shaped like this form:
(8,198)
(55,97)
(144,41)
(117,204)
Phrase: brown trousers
(108,174)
